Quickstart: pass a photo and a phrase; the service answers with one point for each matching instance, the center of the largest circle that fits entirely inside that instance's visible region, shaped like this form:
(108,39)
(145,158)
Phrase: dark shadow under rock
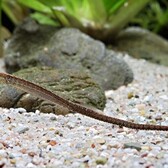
(70,84)
(68,48)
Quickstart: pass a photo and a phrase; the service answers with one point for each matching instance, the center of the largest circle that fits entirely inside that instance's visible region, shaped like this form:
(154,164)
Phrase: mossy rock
(72,85)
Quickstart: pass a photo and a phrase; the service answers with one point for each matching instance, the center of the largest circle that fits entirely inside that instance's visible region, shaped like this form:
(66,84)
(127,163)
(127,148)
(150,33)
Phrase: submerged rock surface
(141,43)
(69,84)
(66,48)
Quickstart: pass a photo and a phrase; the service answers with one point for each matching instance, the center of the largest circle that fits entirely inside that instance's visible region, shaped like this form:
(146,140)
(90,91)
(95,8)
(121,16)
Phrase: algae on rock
(73,85)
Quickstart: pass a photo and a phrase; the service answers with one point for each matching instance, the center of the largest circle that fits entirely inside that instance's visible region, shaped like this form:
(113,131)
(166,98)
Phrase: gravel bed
(47,141)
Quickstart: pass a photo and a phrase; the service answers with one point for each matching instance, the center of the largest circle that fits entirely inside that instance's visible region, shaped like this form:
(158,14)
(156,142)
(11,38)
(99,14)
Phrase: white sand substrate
(37,140)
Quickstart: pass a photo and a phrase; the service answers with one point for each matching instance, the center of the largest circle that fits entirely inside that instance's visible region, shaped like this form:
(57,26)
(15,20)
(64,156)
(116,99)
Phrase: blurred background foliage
(154,17)
(99,18)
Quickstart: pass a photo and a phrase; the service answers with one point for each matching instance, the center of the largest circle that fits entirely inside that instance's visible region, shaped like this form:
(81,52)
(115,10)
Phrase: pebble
(52,142)
(53,118)
(134,110)
(165,147)
(133,145)
(35,119)
(71,125)
(31,165)
(140,106)
(164,97)
(99,140)
(101,160)
(21,110)
(146,148)
(22,129)
(130,95)
(36,160)
(148,98)
(32,154)
(13,161)
(142,112)
(158,118)
(3,153)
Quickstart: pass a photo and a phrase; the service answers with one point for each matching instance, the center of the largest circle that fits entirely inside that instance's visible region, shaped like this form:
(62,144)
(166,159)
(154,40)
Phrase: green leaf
(50,3)
(97,11)
(71,7)
(11,8)
(56,8)
(74,22)
(116,6)
(43,19)
(112,6)
(36,5)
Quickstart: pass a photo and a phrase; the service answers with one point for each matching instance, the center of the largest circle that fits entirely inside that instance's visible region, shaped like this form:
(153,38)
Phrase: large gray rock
(27,38)
(69,84)
(141,43)
(67,48)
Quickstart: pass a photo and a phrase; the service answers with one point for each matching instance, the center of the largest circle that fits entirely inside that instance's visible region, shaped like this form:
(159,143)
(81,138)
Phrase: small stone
(22,129)
(36,160)
(120,130)
(30,165)
(11,156)
(151,110)
(92,130)
(57,132)
(130,95)
(32,154)
(156,148)
(144,155)
(35,119)
(99,140)
(134,110)
(160,155)
(142,113)
(108,93)
(101,160)
(146,148)
(165,147)
(37,112)
(164,97)
(57,163)
(140,106)
(93,145)
(3,153)
(103,147)
(13,161)
(23,151)
(51,128)
(53,118)
(71,125)
(148,98)
(43,144)
(133,145)
(115,145)
(52,142)
(158,118)
(20,110)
